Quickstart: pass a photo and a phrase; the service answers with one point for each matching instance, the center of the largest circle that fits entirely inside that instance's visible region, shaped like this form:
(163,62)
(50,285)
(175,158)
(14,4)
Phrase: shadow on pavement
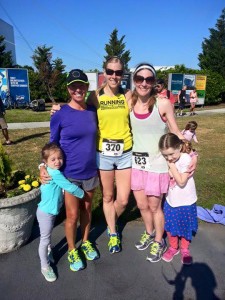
(202,280)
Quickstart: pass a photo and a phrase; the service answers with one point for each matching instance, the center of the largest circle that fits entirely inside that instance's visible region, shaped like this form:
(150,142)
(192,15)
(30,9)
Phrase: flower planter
(16,219)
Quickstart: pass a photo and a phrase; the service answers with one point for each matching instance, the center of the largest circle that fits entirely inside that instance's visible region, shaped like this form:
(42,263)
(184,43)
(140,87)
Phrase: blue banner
(176,83)
(19,87)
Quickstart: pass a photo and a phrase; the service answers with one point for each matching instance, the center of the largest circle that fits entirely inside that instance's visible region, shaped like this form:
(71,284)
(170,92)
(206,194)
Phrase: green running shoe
(114,244)
(75,261)
(88,250)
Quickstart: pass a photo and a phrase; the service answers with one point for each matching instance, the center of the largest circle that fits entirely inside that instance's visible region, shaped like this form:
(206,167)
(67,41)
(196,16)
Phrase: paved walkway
(28,125)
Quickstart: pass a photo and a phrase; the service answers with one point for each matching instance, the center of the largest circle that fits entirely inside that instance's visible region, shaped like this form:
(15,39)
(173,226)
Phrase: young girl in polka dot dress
(180,205)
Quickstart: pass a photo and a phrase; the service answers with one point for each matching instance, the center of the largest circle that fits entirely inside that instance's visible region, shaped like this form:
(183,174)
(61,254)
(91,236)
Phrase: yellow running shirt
(113,120)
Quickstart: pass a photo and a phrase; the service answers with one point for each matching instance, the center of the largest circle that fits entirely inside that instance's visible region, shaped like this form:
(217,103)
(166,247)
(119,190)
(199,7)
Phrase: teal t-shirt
(52,192)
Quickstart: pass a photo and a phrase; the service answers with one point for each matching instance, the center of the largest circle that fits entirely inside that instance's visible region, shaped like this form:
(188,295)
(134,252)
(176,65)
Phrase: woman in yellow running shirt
(114,145)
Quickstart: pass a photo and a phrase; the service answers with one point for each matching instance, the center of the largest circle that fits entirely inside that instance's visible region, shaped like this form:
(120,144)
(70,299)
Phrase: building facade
(7,31)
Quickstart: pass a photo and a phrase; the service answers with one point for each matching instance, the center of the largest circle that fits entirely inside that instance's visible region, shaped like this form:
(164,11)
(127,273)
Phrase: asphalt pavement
(122,276)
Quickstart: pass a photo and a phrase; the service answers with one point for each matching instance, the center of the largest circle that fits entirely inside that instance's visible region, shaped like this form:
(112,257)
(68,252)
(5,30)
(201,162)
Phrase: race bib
(140,160)
(112,147)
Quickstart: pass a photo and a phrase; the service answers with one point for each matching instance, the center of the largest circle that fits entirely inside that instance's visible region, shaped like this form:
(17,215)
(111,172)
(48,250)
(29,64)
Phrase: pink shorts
(153,184)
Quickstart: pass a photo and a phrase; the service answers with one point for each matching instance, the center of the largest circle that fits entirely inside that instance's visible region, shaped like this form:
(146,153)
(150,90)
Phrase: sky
(163,33)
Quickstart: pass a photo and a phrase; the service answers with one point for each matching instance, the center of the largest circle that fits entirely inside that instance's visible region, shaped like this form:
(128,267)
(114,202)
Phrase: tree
(5,56)
(50,72)
(116,47)
(213,49)
(60,91)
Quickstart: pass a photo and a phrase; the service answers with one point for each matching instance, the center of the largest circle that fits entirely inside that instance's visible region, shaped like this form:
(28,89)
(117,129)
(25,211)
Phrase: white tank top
(146,135)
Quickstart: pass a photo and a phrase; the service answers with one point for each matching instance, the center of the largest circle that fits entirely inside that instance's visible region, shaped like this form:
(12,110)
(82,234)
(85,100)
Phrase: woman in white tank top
(150,119)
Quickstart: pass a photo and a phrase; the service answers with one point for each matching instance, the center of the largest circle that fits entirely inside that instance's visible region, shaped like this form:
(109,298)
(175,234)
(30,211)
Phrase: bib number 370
(112,147)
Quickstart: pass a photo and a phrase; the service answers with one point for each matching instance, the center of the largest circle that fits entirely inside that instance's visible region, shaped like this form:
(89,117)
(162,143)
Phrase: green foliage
(50,77)
(5,170)
(116,47)
(34,84)
(16,176)
(215,85)
(5,166)
(5,56)
(213,49)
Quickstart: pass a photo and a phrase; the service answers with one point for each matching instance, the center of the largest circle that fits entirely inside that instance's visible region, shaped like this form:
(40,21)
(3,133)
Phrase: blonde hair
(111,59)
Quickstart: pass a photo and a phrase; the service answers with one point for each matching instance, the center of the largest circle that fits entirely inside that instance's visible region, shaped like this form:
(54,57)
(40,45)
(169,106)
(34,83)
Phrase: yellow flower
(27,177)
(21,182)
(21,186)
(26,187)
(35,183)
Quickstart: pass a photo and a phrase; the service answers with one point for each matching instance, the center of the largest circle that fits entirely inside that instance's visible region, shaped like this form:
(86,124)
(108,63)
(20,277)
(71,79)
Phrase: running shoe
(114,244)
(169,254)
(156,251)
(186,257)
(49,274)
(88,250)
(75,261)
(145,241)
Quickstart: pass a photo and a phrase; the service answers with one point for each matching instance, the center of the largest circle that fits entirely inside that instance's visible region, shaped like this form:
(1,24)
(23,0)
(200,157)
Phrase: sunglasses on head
(111,72)
(139,79)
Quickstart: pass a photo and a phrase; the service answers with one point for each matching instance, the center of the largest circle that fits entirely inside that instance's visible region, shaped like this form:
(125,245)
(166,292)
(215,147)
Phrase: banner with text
(19,86)
(177,81)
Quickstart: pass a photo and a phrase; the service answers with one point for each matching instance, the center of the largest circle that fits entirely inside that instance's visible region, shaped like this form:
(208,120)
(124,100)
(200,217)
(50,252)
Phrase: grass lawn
(27,115)
(209,176)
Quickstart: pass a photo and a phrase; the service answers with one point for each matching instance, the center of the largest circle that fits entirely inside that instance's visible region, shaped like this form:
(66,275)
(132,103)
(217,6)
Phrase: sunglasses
(111,72)
(139,79)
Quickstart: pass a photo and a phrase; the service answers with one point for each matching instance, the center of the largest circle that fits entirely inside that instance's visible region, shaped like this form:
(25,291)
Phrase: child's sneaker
(75,261)
(49,274)
(169,254)
(114,244)
(156,251)
(145,241)
(186,257)
(88,250)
